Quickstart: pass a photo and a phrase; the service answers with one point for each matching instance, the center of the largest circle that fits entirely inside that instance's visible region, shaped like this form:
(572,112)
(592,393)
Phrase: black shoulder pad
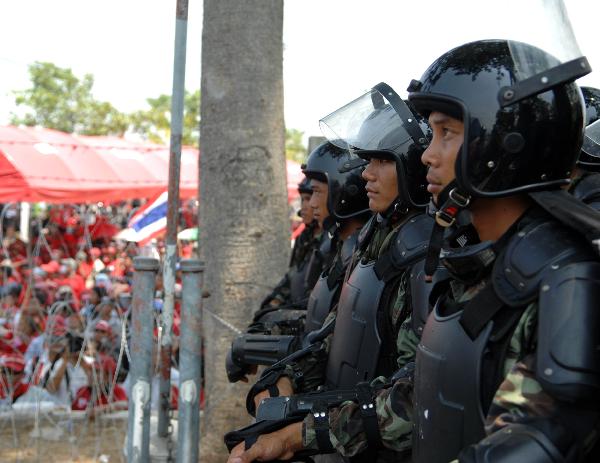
(588,189)
(532,252)
(348,248)
(412,240)
(513,443)
(568,352)
(364,236)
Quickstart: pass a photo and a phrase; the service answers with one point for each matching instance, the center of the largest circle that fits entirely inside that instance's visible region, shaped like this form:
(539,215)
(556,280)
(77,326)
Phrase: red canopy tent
(47,165)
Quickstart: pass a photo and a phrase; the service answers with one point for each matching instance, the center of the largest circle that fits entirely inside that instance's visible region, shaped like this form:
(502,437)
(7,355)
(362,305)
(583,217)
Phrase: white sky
(334,49)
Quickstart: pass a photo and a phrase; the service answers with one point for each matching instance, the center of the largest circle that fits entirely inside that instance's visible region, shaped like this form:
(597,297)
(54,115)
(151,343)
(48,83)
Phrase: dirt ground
(63,439)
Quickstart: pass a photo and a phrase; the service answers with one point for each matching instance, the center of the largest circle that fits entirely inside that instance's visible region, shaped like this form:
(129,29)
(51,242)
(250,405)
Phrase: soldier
(503,370)
(375,300)
(339,205)
(292,288)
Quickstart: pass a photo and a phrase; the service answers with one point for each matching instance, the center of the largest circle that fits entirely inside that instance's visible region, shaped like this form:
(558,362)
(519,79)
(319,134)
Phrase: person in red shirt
(73,232)
(70,277)
(12,384)
(100,395)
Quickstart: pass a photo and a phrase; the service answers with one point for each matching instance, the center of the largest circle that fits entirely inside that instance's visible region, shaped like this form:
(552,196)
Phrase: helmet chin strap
(392,213)
(452,201)
(330,225)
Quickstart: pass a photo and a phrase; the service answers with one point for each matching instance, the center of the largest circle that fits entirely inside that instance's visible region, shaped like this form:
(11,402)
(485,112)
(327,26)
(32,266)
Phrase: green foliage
(57,99)
(294,149)
(154,124)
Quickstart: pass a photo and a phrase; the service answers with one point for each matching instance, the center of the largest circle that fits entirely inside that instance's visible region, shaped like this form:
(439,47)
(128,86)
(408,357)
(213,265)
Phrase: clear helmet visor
(552,33)
(544,24)
(379,124)
(369,123)
(591,141)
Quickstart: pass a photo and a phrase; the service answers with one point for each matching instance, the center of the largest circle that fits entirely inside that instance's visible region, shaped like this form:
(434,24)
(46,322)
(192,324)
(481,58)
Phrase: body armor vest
(325,290)
(445,354)
(356,340)
(319,304)
(461,355)
(363,323)
(298,287)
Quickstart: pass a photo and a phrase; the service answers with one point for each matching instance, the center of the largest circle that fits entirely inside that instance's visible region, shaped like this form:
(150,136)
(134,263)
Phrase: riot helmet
(522,113)
(379,124)
(304,186)
(589,157)
(591,96)
(515,93)
(520,134)
(332,165)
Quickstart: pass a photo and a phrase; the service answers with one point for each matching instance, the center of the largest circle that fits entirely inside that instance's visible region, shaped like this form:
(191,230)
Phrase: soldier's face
(306,211)
(318,200)
(382,183)
(440,155)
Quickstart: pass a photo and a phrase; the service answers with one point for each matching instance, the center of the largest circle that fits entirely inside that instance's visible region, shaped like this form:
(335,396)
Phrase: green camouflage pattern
(519,394)
(346,430)
(313,365)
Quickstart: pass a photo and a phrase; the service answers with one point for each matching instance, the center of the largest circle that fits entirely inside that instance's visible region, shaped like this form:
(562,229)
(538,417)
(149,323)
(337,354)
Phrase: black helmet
(591,96)
(522,113)
(330,164)
(379,124)
(304,186)
(589,157)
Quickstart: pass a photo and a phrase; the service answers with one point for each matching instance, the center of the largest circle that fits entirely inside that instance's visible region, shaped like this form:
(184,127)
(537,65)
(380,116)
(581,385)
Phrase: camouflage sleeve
(520,399)
(406,343)
(346,432)
(407,340)
(519,394)
(393,405)
(312,366)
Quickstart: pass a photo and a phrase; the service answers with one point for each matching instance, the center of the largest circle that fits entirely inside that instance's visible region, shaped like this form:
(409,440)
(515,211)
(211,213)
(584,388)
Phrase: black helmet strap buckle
(561,74)
(445,216)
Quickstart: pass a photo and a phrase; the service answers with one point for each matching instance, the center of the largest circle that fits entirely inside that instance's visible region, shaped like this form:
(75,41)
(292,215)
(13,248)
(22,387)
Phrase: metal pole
(190,362)
(177,100)
(142,324)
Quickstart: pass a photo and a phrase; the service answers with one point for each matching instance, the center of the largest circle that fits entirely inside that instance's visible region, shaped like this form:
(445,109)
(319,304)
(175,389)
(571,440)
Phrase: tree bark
(244,225)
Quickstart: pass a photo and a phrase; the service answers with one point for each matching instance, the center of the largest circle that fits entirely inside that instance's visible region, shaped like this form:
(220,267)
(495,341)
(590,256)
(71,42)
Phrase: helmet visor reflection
(368,123)
(591,141)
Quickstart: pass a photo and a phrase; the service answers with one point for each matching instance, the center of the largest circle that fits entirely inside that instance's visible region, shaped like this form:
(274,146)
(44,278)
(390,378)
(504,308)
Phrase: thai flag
(150,220)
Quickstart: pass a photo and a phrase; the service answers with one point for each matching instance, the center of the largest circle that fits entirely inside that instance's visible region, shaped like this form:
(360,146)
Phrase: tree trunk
(243,208)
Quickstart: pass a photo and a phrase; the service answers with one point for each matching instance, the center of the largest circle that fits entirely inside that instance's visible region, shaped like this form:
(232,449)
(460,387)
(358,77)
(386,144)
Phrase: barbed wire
(222,321)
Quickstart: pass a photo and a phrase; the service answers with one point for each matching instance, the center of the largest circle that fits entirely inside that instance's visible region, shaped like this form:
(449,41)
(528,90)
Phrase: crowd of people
(64,306)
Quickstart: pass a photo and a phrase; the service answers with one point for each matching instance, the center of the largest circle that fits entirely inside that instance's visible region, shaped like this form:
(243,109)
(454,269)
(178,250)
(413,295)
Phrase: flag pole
(170,260)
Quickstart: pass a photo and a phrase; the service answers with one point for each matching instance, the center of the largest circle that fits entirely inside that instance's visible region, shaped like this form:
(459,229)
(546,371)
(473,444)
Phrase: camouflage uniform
(346,426)
(313,366)
(519,398)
